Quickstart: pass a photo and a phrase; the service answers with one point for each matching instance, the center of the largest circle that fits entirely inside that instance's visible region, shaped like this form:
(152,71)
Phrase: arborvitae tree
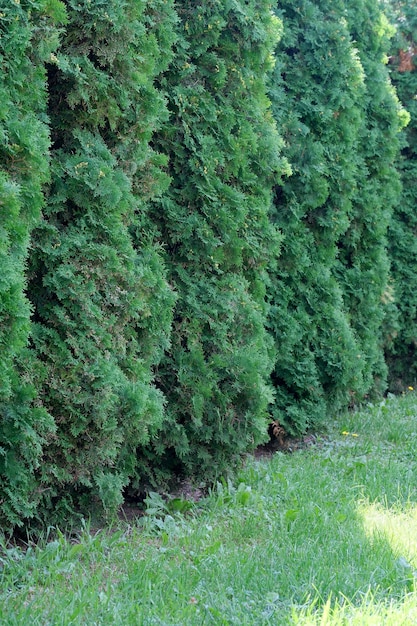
(27,37)
(364,264)
(97,282)
(402,343)
(214,224)
(316,86)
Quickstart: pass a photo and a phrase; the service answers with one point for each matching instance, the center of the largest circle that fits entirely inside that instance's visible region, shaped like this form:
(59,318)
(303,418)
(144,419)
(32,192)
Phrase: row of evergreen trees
(401,335)
(195,201)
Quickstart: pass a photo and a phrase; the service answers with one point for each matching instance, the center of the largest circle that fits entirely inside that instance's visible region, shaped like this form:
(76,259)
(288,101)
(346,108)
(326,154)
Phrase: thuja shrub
(102,305)
(214,224)
(364,264)
(28,35)
(316,90)
(401,340)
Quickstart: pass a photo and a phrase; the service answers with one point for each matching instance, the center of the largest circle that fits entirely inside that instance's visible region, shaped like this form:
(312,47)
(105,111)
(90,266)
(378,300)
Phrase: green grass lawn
(326,535)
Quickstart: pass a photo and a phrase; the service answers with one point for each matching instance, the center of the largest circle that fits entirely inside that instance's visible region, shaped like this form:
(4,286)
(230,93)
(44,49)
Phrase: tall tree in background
(27,38)
(364,264)
(316,92)
(402,339)
(97,282)
(214,223)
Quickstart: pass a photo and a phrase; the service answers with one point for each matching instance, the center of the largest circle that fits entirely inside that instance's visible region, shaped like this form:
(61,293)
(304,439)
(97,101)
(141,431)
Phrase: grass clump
(325,535)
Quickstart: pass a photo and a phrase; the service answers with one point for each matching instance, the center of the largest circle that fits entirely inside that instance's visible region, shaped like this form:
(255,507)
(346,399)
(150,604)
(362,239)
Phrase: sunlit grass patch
(366,612)
(399,527)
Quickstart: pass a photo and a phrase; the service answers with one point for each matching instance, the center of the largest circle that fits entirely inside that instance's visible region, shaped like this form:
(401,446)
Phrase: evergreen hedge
(316,92)
(163,250)
(364,262)
(340,119)
(214,223)
(28,35)
(401,338)
(102,305)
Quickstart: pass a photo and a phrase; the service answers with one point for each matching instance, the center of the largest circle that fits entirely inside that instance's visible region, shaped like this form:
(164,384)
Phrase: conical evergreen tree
(402,339)
(223,157)
(102,303)
(364,263)
(316,89)
(27,37)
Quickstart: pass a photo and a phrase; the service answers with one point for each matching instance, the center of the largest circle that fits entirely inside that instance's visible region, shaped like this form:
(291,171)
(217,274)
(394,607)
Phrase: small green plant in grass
(164,515)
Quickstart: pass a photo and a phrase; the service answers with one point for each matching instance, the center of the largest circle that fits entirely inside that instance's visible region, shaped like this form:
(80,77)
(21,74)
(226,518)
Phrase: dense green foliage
(364,264)
(97,283)
(340,121)
(163,250)
(223,156)
(27,37)
(402,340)
(316,91)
